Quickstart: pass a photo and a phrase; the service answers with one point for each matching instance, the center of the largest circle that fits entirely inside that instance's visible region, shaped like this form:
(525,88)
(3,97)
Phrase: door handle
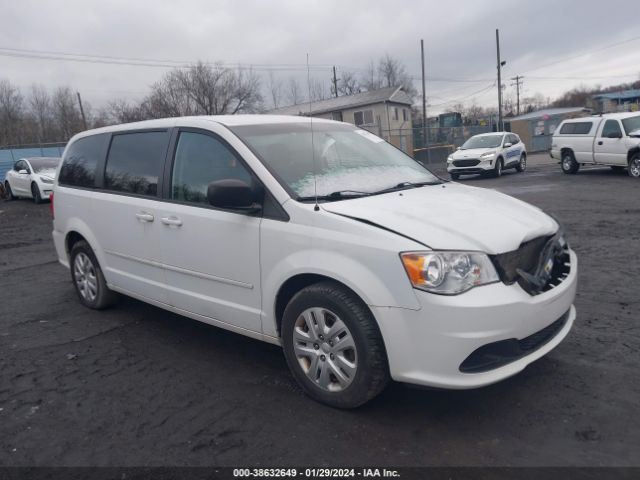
(144,217)
(600,142)
(171,221)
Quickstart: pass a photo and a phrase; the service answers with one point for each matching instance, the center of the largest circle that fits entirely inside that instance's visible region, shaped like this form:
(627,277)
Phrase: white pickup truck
(609,139)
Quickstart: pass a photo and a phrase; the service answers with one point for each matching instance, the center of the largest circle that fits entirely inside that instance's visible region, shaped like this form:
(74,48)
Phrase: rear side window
(80,162)
(576,128)
(135,162)
(199,160)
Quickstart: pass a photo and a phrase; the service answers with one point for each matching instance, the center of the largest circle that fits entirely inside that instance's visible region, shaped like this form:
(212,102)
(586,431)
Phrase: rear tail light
(53,213)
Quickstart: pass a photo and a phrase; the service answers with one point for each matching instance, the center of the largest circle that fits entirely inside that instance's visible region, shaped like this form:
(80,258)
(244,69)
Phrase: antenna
(313,151)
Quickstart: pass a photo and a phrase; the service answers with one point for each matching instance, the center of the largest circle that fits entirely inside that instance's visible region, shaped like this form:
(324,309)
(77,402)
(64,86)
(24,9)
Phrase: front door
(211,256)
(610,147)
(20,182)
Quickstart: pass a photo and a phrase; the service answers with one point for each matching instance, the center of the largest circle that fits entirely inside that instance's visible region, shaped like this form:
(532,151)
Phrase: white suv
(488,153)
(320,237)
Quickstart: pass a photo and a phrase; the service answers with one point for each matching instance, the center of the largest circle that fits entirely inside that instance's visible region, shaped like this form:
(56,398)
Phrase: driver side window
(199,160)
(611,128)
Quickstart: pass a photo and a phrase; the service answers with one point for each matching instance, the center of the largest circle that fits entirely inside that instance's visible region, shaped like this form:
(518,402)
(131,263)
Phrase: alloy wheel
(634,167)
(325,349)
(85,276)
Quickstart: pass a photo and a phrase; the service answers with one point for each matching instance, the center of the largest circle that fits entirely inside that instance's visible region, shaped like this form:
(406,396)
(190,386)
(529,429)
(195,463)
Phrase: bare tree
(11,113)
(317,90)
(348,84)
(275,90)
(66,116)
(370,79)
(40,108)
(294,93)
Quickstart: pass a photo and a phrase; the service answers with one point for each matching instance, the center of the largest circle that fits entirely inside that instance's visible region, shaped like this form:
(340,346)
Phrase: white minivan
(320,237)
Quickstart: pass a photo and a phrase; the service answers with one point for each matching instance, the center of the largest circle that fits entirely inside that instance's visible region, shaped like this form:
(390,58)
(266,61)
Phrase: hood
(472,152)
(452,217)
(48,173)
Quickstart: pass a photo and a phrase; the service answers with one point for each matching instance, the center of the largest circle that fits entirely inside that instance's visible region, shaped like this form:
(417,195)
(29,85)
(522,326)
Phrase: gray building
(385,112)
(623,101)
(536,128)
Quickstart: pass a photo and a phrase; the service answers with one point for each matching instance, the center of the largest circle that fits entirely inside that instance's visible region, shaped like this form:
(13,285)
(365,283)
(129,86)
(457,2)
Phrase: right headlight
(448,273)
(450,158)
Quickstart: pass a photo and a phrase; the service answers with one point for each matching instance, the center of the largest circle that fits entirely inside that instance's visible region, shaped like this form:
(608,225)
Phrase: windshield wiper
(406,185)
(338,195)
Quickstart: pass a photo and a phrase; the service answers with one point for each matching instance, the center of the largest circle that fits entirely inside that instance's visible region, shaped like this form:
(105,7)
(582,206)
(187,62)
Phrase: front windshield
(44,165)
(483,141)
(347,159)
(632,124)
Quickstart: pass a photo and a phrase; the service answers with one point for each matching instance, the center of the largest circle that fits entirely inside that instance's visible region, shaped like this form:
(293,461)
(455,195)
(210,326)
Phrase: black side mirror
(235,195)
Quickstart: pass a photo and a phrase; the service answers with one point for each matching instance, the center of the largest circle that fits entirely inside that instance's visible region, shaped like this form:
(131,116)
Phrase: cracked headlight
(448,273)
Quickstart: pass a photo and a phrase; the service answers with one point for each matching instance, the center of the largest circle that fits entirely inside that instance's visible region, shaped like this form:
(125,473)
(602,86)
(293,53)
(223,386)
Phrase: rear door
(126,212)
(211,256)
(610,147)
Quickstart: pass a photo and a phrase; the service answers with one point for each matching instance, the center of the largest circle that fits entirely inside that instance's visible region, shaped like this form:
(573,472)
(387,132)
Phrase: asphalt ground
(136,385)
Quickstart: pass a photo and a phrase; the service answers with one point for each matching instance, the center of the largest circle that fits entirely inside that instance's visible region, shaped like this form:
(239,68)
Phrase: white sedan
(32,178)
(488,153)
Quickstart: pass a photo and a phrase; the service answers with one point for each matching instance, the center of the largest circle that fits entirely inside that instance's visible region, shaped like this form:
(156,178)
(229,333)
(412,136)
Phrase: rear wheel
(35,193)
(9,192)
(522,164)
(569,164)
(88,279)
(497,170)
(333,346)
(634,166)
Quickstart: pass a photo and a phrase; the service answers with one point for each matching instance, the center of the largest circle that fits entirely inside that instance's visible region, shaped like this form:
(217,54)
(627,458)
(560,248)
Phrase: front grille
(498,354)
(466,163)
(528,264)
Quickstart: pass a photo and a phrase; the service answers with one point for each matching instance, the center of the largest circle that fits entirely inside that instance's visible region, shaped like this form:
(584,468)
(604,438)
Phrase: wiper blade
(338,195)
(406,185)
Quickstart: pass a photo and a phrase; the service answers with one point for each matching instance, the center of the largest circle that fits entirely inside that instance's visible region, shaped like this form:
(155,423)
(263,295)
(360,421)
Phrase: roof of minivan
(227,120)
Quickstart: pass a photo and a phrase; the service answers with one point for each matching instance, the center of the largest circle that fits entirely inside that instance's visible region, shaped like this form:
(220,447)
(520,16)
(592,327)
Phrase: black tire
(8,191)
(372,373)
(103,297)
(522,164)
(454,176)
(35,193)
(497,169)
(568,163)
(634,166)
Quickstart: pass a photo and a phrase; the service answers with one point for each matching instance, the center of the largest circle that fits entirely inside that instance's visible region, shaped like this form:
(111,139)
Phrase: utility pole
(84,119)
(518,83)
(424,105)
(335,82)
(500,63)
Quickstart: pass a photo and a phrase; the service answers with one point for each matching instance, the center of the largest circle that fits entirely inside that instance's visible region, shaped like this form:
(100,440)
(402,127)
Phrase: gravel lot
(135,385)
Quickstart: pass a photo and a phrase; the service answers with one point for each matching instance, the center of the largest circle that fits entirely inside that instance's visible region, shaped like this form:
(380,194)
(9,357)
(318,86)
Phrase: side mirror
(615,135)
(23,172)
(235,195)
(508,144)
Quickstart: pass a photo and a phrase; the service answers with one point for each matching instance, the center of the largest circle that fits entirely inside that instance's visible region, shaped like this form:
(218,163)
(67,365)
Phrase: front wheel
(35,193)
(333,346)
(634,166)
(522,164)
(569,164)
(8,191)
(497,170)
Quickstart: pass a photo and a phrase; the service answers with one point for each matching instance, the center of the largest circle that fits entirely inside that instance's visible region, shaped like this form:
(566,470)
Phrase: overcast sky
(555,44)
